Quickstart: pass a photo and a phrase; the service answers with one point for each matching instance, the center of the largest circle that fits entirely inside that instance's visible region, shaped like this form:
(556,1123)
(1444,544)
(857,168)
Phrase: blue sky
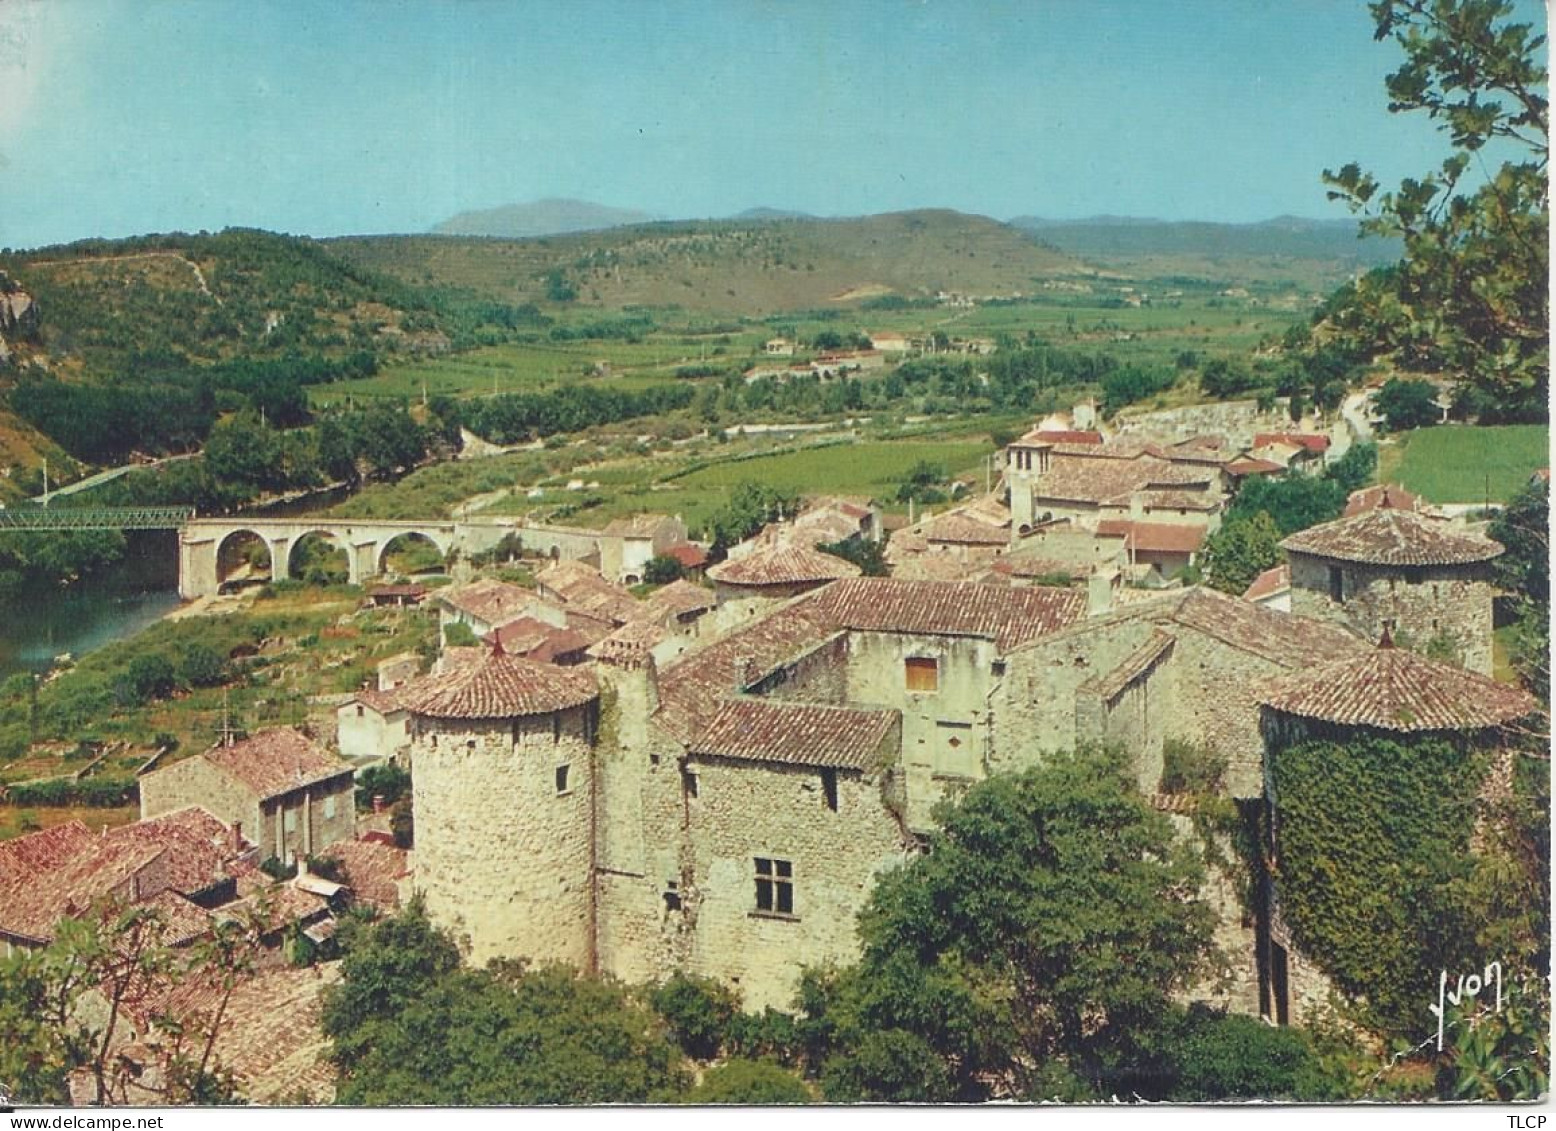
(326,117)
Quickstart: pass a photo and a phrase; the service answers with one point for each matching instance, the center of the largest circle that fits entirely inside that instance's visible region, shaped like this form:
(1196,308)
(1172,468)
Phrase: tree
(1470,296)
(1033,948)
(1355,469)
(699,1012)
(1241,550)
(750,1082)
(661,569)
(411,1027)
(869,556)
(751,506)
(1295,502)
(1524,570)
(202,666)
(1408,404)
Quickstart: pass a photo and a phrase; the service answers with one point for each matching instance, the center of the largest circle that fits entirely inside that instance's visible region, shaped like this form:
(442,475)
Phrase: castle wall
(945,731)
(745,813)
(502,854)
(1417,603)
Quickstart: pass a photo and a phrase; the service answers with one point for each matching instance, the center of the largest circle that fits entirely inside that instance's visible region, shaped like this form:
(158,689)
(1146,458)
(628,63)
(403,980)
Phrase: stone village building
(727,812)
(278,788)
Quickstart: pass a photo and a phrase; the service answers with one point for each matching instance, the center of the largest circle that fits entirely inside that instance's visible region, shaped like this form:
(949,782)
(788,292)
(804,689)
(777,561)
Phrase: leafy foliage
(661,569)
(1408,404)
(869,556)
(1523,526)
(1244,547)
(751,506)
(1469,298)
(1220,1057)
(389,781)
(411,1027)
(1374,866)
(699,1012)
(998,958)
(750,1082)
(1294,502)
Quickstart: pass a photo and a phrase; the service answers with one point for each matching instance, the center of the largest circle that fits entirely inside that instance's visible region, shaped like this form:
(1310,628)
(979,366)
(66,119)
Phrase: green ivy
(1373,845)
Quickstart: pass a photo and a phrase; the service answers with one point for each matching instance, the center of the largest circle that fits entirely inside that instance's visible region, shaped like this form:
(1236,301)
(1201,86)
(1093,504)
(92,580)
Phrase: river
(120,601)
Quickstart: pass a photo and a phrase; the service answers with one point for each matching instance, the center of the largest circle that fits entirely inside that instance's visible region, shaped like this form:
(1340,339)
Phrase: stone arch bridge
(203,542)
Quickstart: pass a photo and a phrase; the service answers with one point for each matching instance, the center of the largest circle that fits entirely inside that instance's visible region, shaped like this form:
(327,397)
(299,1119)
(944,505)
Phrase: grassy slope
(1463,464)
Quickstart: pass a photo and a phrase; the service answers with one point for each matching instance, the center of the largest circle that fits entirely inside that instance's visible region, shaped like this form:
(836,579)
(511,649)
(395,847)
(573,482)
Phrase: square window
(774,886)
(922,673)
(561,779)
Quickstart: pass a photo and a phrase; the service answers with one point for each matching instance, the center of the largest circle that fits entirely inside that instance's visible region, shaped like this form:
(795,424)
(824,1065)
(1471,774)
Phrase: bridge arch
(236,550)
(337,564)
(409,542)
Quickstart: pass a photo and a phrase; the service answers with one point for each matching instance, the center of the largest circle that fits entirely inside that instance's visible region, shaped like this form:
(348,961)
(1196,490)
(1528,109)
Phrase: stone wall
(503,855)
(945,732)
(1417,603)
(1238,421)
(194,781)
(363,732)
(306,821)
(745,812)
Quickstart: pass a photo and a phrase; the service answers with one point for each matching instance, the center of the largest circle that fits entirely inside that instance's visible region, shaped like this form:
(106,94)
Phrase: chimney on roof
(237,837)
(378,803)
(1099,591)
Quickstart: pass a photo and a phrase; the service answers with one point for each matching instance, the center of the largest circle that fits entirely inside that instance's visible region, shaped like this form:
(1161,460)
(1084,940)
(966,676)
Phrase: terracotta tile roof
(184,921)
(1293,642)
(781,565)
(384,702)
(1173,500)
(1392,537)
(1032,565)
(943,566)
(1309,440)
(1249,466)
(270,1037)
(636,526)
(1064,436)
(1392,689)
(536,640)
(690,556)
(409,591)
(1269,583)
(42,850)
(200,848)
(501,687)
(956,527)
(581,587)
(32,903)
(796,734)
(679,598)
(1154,537)
(1006,616)
(630,644)
(1090,480)
(276,761)
(1389,495)
(487,600)
(372,870)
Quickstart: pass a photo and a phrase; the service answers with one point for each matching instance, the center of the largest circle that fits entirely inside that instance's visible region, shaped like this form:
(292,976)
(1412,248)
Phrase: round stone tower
(1395,571)
(502,757)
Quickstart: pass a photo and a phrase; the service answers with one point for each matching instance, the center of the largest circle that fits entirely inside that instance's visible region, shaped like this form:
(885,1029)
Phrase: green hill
(207,298)
(747,266)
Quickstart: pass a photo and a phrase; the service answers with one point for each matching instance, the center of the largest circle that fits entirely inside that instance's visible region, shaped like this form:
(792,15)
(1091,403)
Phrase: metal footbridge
(95,518)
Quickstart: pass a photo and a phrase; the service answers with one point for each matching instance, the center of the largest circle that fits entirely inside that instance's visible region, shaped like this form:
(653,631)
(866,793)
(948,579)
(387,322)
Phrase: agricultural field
(1465,464)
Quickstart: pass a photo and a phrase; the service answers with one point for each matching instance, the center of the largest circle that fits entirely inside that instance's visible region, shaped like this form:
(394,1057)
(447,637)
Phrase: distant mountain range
(1096,237)
(1295,237)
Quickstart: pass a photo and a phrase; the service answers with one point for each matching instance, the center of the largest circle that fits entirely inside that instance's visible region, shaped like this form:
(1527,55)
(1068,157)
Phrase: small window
(774,886)
(556,728)
(561,779)
(922,673)
(329,808)
(689,783)
(1336,584)
(359,710)
(672,895)
(829,788)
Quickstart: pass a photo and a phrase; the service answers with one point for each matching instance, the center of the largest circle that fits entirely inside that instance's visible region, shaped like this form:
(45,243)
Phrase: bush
(662,569)
(1191,768)
(1218,1057)
(458,634)
(202,666)
(751,1082)
(698,1011)
(389,781)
